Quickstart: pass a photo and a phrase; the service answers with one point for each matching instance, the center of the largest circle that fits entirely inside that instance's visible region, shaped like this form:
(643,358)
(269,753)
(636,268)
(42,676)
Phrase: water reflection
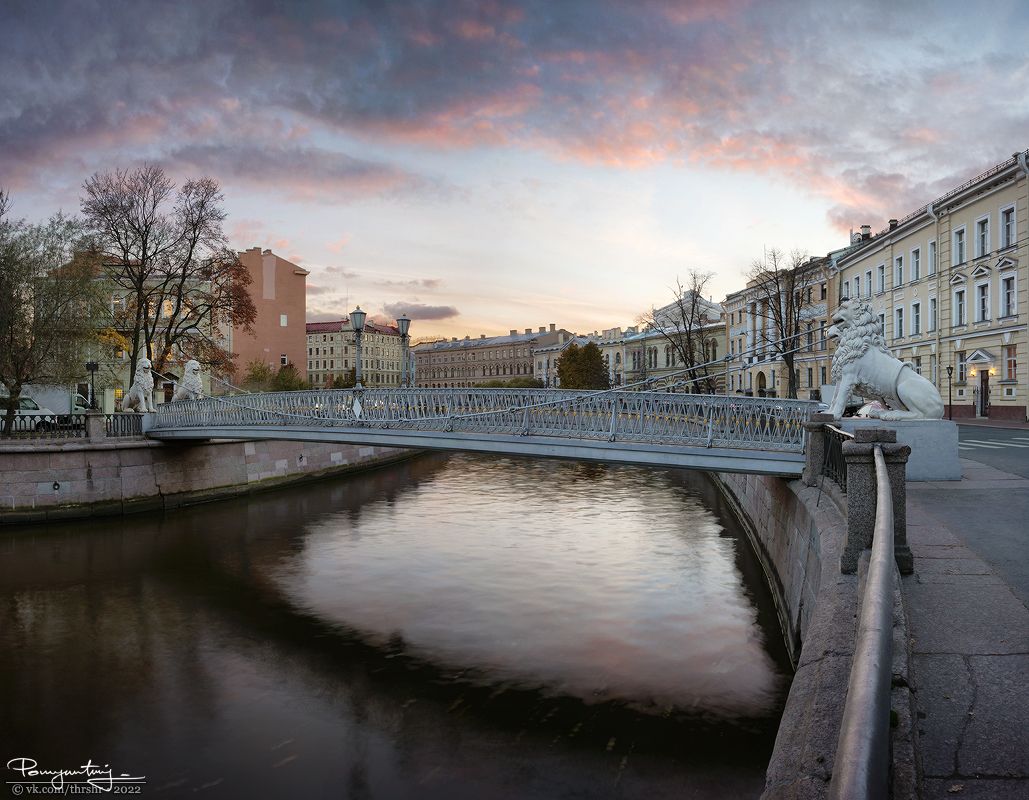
(459,627)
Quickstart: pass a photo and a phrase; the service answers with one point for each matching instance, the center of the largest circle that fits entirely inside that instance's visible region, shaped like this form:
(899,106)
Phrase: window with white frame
(932,314)
(916,264)
(958,250)
(868,283)
(898,323)
(882,324)
(932,257)
(282,321)
(846,290)
(959,357)
(882,278)
(916,319)
(283,359)
(957,316)
(1007,296)
(898,270)
(982,302)
(918,364)
(1007,227)
(1010,362)
(982,237)
(857,286)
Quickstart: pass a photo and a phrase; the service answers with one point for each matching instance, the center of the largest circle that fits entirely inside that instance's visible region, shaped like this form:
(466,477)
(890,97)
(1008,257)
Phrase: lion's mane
(856,337)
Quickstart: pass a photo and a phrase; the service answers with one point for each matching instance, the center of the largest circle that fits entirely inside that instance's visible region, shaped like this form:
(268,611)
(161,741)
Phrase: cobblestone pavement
(968,608)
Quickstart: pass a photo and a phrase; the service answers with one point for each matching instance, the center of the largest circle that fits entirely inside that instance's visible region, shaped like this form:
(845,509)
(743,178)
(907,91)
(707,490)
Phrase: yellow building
(948,282)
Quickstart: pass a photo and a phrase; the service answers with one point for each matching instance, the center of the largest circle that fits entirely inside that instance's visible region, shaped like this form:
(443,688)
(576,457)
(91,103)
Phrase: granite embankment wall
(799,532)
(65,480)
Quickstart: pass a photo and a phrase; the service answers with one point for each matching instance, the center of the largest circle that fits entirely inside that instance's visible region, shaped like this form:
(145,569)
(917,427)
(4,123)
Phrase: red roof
(341,325)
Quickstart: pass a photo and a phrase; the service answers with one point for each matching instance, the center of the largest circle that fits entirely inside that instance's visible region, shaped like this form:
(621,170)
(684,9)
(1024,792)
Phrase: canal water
(449,627)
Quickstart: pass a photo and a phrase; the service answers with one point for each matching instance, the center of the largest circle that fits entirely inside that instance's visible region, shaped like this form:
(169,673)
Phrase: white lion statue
(863,364)
(189,388)
(140,397)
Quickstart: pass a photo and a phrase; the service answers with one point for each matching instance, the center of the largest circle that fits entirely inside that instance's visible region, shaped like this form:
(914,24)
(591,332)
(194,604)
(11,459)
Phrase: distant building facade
(470,362)
(279,292)
(332,353)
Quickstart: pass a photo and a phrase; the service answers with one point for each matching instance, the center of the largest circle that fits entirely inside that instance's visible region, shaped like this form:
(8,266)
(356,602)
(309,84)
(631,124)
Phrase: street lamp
(950,393)
(91,368)
(403,325)
(728,361)
(357,317)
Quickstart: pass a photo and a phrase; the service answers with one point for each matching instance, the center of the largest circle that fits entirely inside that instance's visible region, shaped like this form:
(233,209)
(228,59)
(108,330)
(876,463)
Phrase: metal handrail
(834,465)
(862,753)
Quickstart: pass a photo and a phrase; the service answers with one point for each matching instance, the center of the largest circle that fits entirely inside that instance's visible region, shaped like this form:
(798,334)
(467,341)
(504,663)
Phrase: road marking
(995,443)
(1021,438)
(983,444)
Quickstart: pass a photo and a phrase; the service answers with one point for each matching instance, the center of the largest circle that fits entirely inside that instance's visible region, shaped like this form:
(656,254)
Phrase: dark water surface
(451,627)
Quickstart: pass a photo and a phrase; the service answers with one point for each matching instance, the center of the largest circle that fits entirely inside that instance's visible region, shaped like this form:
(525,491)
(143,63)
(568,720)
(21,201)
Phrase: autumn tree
(49,304)
(258,376)
(287,379)
(782,285)
(347,381)
(582,368)
(166,252)
(683,325)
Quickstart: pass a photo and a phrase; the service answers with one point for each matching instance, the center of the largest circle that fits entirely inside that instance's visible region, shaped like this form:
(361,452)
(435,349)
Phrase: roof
(489,341)
(338,326)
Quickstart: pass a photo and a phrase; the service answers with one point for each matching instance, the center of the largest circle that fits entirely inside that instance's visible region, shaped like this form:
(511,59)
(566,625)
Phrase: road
(992,518)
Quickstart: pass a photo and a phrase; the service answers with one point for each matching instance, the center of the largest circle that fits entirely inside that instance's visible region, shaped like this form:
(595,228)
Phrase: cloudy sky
(494,165)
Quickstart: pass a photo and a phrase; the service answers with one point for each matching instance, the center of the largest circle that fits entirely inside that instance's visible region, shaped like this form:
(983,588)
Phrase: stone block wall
(63,480)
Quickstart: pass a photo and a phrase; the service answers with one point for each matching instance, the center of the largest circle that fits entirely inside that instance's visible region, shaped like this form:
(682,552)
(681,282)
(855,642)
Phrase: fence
(123,425)
(834,465)
(29,427)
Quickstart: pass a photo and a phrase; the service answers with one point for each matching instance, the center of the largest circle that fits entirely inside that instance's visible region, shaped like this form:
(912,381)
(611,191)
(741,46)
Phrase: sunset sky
(494,165)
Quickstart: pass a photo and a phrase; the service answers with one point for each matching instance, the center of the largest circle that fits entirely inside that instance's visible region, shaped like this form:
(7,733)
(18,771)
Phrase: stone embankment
(63,480)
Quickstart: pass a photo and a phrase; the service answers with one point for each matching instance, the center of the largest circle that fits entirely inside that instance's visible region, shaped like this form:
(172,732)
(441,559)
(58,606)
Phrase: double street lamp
(357,317)
(403,326)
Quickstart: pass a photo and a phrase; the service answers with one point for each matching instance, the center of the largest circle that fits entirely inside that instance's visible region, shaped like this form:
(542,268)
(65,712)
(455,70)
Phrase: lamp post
(357,317)
(91,368)
(950,393)
(728,361)
(404,325)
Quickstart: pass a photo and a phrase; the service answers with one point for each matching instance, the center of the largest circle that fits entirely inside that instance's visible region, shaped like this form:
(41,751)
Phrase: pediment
(981,271)
(980,357)
(957,279)
(1007,262)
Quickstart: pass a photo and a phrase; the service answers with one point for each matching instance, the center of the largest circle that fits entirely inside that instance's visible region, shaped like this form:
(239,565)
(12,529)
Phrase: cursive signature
(88,773)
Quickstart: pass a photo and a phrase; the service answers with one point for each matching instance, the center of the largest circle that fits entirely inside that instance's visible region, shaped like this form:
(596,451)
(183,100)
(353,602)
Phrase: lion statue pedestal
(863,365)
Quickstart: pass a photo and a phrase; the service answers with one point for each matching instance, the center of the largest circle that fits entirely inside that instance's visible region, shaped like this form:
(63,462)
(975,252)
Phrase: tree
(49,304)
(258,376)
(287,379)
(682,324)
(783,286)
(582,368)
(166,251)
(513,383)
(348,381)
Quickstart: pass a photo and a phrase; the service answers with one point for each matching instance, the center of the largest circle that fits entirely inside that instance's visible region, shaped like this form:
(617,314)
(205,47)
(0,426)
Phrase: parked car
(29,414)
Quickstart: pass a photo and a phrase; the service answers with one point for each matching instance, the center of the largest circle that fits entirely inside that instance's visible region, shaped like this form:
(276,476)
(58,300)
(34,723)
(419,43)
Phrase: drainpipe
(939,299)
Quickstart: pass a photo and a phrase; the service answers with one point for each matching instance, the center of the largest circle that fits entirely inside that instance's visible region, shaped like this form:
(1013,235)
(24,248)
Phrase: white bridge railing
(655,417)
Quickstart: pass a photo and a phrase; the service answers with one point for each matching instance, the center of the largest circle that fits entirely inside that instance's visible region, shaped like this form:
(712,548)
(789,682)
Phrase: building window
(898,270)
(823,343)
(1010,363)
(283,360)
(916,264)
(857,286)
(916,319)
(957,316)
(1007,227)
(282,321)
(846,290)
(824,291)
(958,256)
(823,375)
(898,328)
(932,257)
(882,278)
(982,237)
(810,377)
(918,364)
(868,283)
(959,357)
(932,314)
(1007,296)
(882,324)
(982,302)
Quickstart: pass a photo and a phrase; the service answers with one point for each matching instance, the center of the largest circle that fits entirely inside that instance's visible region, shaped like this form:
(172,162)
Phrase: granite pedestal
(933,443)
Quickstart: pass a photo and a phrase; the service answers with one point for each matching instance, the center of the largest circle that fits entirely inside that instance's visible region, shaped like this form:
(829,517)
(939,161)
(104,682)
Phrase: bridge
(707,432)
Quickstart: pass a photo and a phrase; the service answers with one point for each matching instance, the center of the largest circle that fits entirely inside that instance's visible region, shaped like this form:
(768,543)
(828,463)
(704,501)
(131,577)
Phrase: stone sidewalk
(969,648)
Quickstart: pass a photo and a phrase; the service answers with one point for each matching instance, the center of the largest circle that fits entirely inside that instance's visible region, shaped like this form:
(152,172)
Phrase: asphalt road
(993,522)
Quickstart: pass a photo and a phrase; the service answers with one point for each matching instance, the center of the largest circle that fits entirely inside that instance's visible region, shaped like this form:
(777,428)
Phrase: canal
(447,627)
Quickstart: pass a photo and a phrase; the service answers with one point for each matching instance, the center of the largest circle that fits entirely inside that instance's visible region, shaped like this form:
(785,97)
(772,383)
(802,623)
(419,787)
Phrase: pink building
(279,292)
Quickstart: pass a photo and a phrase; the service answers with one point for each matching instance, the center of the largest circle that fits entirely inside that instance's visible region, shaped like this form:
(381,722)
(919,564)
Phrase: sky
(483,166)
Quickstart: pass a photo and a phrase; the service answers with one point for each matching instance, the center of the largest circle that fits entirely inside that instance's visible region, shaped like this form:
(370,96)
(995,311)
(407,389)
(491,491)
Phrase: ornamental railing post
(614,418)
(814,450)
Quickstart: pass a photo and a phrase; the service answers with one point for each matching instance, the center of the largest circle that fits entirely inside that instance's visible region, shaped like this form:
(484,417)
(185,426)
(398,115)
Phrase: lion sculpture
(862,364)
(140,396)
(189,388)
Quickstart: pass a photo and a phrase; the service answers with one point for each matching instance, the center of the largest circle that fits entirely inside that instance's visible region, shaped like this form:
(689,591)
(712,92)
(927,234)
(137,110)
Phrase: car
(29,415)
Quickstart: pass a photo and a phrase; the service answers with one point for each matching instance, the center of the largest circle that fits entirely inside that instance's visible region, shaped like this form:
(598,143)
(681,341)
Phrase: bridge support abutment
(814,451)
(861,496)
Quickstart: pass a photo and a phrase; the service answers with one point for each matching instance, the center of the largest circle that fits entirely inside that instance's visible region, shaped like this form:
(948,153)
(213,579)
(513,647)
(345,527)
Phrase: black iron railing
(834,465)
(121,425)
(46,426)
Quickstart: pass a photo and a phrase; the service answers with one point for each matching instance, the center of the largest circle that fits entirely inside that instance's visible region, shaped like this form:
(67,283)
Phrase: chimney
(866,232)
(267,252)
(542,329)
(466,338)
(560,338)
(893,224)
(513,332)
(528,330)
(453,339)
(482,335)
(552,327)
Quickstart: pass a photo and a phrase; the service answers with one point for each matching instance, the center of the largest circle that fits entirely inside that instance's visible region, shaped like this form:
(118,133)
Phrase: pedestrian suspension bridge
(670,429)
